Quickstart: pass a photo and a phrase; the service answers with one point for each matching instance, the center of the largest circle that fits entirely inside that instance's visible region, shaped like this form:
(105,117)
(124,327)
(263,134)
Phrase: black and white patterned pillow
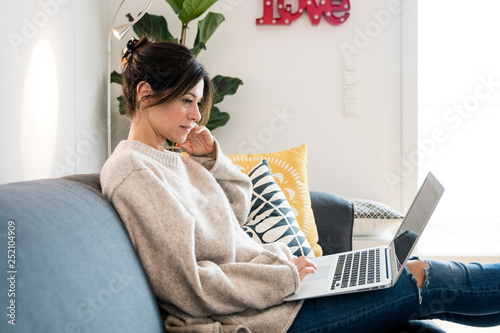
(373,217)
(271,218)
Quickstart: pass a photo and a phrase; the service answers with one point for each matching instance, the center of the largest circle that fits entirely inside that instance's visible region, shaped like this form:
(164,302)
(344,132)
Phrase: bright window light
(39,113)
(459,121)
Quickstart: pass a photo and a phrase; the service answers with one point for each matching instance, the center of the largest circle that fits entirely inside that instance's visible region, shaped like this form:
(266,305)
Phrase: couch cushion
(76,268)
(91,181)
(290,169)
(374,218)
(334,219)
(271,218)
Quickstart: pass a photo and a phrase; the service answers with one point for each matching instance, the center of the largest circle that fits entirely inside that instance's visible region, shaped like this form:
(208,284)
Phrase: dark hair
(170,69)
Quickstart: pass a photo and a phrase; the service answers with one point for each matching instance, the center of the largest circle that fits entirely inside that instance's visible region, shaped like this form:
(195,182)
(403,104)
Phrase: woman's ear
(143,92)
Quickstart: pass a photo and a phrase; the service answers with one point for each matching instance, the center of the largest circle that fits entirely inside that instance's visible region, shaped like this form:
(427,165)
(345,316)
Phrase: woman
(184,215)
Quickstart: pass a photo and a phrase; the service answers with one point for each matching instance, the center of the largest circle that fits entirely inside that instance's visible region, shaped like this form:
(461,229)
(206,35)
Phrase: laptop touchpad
(320,274)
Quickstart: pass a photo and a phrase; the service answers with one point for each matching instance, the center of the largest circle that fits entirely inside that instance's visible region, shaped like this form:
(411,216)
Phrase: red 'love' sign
(276,12)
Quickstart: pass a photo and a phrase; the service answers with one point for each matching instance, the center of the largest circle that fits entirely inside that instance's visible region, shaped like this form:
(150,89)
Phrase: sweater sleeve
(236,184)
(165,236)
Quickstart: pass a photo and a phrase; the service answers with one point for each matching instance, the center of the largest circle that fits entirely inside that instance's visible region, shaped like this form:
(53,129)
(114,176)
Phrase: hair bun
(129,50)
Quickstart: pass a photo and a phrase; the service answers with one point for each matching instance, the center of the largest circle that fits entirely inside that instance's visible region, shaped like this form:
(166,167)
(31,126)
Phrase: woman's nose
(195,113)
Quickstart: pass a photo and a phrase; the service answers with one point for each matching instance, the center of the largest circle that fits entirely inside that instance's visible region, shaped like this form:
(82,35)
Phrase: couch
(71,267)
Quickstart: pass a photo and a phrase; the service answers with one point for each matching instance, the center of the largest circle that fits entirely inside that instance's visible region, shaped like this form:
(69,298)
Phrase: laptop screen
(415,221)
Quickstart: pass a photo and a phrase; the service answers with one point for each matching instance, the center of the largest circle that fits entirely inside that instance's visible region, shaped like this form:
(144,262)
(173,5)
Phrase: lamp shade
(121,31)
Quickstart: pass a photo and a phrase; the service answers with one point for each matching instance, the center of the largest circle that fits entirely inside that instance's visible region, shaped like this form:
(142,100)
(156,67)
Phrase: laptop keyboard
(357,268)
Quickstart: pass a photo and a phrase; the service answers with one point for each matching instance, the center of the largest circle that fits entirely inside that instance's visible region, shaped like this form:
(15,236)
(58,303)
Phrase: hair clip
(130,48)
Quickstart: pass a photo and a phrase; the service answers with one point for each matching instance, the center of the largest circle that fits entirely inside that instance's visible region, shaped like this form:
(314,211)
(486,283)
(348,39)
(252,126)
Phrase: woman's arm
(165,236)
(236,184)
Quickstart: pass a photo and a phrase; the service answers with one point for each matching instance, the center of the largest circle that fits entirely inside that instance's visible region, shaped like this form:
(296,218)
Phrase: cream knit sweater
(183,215)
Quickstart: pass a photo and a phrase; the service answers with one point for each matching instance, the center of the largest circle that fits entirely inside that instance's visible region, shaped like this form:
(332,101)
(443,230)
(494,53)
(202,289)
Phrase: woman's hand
(304,266)
(199,142)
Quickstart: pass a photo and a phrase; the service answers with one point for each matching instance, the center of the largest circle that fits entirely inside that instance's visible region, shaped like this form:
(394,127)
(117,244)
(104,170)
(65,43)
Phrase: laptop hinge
(388,265)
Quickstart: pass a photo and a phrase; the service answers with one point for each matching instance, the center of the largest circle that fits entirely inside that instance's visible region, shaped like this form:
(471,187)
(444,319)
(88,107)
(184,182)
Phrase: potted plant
(187,11)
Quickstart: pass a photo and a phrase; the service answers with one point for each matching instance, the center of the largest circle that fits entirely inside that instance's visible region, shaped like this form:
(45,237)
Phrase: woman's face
(174,120)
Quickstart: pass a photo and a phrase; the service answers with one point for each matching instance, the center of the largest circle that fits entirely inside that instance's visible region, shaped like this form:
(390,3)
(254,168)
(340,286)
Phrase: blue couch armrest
(75,268)
(334,217)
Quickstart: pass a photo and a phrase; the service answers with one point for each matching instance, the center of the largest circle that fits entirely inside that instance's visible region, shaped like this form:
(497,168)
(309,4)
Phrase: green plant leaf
(224,85)
(176,5)
(168,143)
(121,106)
(206,28)
(153,25)
(116,77)
(192,9)
(217,118)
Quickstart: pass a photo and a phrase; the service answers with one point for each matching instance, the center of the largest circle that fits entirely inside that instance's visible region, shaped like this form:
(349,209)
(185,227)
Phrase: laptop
(377,267)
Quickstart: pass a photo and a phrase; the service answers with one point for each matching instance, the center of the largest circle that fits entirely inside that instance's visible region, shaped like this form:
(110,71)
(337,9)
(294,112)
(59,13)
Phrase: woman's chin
(181,140)
(178,139)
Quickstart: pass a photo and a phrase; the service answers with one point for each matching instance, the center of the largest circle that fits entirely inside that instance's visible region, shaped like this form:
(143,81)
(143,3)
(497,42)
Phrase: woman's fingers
(304,266)
(199,142)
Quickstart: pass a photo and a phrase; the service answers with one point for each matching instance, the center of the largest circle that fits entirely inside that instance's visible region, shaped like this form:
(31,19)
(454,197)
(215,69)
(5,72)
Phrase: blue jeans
(462,293)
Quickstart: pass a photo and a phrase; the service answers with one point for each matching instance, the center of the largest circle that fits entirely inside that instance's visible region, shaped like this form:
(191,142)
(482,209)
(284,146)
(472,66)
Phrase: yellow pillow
(289,169)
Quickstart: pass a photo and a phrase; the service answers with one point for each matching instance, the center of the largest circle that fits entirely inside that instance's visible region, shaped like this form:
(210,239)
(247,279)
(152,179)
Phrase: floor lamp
(118,32)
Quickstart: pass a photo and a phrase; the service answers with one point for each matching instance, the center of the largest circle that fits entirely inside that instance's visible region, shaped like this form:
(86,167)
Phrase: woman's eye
(187,101)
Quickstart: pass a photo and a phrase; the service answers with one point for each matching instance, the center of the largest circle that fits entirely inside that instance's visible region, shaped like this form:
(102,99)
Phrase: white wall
(294,70)
(53,64)
(299,68)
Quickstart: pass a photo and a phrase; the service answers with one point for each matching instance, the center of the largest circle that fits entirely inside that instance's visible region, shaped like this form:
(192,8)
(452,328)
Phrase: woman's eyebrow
(192,94)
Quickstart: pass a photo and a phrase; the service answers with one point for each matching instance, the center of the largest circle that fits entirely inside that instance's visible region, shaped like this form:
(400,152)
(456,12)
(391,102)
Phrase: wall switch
(350,93)
(350,79)
(350,109)
(350,64)
(349,87)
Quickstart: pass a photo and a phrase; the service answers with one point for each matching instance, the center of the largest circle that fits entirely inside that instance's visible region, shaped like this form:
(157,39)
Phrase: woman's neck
(139,132)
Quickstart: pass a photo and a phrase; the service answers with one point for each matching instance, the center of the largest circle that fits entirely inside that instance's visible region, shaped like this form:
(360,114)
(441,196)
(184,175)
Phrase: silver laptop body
(377,267)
